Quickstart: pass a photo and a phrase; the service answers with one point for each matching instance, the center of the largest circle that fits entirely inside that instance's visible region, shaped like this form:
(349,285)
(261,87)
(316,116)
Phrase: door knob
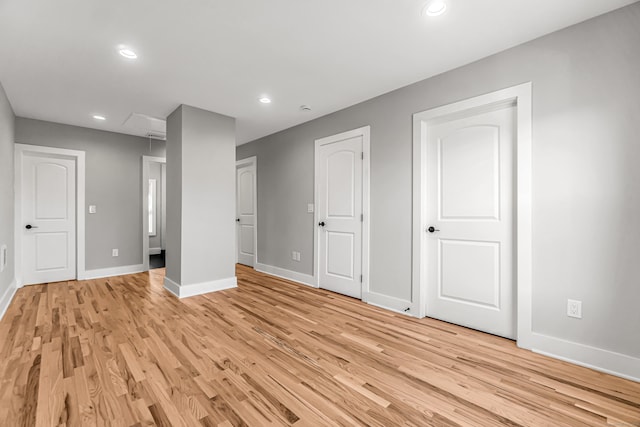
(432,229)
(29,226)
(321,224)
(237,219)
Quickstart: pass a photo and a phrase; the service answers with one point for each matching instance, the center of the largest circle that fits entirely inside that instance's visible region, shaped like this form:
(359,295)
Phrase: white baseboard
(155,251)
(620,365)
(184,291)
(113,271)
(305,279)
(6,299)
(388,303)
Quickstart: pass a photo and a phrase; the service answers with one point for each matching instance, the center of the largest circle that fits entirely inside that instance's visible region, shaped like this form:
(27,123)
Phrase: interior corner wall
(113,184)
(586,201)
(7,207)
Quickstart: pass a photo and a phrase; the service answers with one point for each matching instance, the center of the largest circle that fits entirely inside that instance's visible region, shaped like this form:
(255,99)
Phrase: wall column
(200,240)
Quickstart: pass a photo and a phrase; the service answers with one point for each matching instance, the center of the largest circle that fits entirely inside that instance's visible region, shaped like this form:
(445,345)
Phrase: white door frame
(146,160)
(79,158)
(520,97)
(365,132)
(250,161)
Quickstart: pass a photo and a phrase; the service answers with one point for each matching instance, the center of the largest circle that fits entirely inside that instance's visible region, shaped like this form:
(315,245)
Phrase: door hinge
(361,278)
(361,217)
(362,155)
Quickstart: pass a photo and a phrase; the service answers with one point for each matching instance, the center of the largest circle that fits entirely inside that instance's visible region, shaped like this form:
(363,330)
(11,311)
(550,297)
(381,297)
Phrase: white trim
(601,360)
(185,291)
(6,299)
(302,278)
(520,96)
(146,160)
(250,161)
(388,303)
(152,193)
(155,251)
(79,157)
(114,271)
(365,132)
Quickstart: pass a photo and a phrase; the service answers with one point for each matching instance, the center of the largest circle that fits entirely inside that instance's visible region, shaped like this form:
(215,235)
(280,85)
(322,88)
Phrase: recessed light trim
(127,53)
(265,100)
(99,117)
(435,8)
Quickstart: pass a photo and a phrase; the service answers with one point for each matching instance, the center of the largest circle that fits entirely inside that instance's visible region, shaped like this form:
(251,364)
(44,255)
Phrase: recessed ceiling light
(265,100)
(305,108)
(435,8)
(128,53)
(99,117)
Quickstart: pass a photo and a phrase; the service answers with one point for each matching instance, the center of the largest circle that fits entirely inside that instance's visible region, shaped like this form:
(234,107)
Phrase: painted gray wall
(204,144)
(586,195)
(6,188)
(155,172)
(173,239)
(113,184)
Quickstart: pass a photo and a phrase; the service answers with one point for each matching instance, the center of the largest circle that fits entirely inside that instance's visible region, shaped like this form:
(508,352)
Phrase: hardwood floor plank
(123,351)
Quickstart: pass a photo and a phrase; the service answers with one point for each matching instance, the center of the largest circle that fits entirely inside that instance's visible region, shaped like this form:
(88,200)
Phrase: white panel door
(48,218)
(246,213)
(340,216)
(470,225)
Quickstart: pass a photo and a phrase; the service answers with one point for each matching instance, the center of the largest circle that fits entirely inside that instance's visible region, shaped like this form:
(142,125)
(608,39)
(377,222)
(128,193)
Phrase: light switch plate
(310,208)
(92,209)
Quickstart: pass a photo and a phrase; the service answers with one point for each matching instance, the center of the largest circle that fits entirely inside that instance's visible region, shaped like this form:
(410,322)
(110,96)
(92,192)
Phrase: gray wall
(6,188)
(173,238)
(586,196)
(113,184)
(204,144)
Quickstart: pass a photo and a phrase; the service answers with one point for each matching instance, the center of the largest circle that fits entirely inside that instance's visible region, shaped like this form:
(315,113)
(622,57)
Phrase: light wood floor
(123,351)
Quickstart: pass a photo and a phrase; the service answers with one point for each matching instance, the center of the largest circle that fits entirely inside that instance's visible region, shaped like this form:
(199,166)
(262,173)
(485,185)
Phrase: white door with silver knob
(470,221)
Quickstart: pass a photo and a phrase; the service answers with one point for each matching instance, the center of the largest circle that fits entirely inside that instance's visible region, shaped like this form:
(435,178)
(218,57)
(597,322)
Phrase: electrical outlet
(92,209)
(114,252)
(310,208)
(295,255)
(574,309)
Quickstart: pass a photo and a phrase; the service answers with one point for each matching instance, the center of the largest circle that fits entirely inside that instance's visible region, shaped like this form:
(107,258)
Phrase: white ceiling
(59,60)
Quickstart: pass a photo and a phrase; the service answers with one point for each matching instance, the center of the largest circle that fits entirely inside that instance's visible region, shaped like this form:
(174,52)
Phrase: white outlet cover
(574,308)
(310,208)
(92,209)
(114,252)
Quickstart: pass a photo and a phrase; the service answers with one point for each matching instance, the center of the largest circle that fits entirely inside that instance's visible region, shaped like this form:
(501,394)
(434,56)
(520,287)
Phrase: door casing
(365,133)
(250,161)
(79,157)
(520,97)
(146,161)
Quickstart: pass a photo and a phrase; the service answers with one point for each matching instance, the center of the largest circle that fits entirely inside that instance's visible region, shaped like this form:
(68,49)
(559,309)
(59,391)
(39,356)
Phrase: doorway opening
(246,212)
(458,148)
(154,204)
(49,214)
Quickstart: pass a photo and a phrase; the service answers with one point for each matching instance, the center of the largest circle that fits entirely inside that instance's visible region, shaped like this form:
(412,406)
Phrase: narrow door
(340,216)
(48,219)
(470,226)
(246,213)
